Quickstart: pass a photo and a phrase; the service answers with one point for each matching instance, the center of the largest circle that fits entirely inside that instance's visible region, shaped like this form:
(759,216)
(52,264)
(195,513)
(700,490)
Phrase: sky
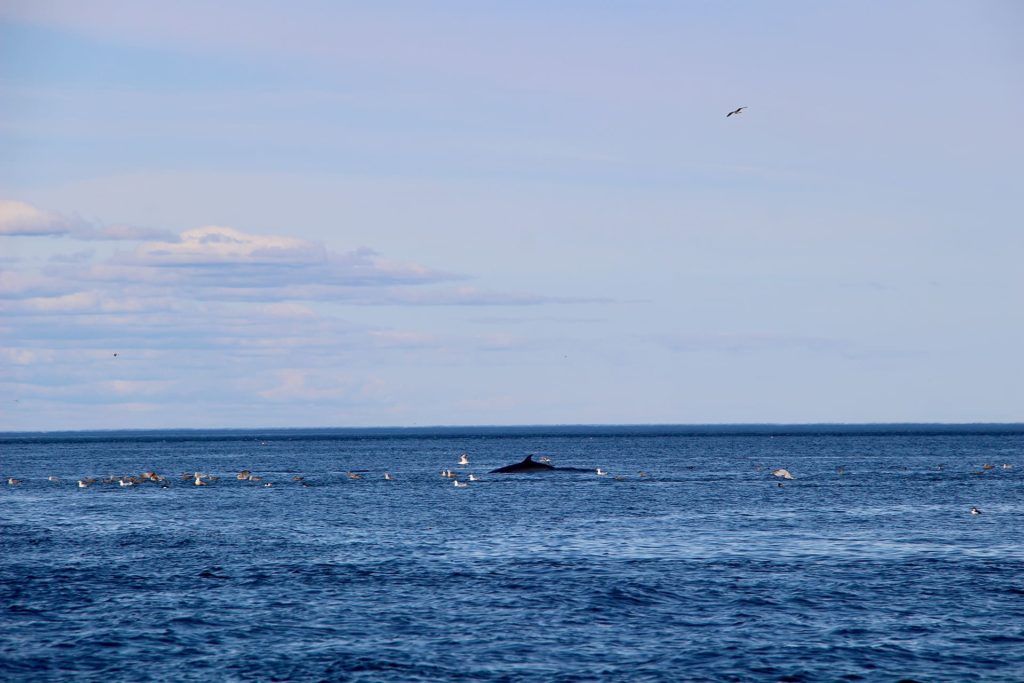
(329,214)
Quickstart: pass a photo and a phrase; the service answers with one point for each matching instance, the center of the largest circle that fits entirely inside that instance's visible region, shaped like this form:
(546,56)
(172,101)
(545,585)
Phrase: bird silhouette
(735,111)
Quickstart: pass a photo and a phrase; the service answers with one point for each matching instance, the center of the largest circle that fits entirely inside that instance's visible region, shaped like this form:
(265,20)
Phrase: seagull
(472,477)
(464,459)
(735,111)
(782,473)
(975,511)
(460,484)
(388,477)
(600,472)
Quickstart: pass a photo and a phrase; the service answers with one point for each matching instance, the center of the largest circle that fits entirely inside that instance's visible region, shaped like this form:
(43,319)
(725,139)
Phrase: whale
(528,464)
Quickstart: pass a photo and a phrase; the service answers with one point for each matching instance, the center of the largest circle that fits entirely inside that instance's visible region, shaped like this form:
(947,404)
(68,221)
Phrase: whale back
(528,464)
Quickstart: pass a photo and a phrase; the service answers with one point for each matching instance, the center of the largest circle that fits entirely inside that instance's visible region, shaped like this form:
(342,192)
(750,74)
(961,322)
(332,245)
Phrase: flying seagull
(737,111)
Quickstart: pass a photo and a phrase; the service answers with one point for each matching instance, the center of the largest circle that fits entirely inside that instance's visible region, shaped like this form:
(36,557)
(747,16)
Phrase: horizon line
(1010,426)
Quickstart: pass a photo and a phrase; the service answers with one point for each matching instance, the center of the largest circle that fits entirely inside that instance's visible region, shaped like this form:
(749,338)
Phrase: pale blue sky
(340,214)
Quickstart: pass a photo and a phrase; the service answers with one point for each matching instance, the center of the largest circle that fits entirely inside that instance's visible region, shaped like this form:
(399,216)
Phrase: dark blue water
(704,570)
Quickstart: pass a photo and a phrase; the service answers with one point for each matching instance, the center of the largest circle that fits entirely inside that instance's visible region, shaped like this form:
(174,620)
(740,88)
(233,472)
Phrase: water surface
(868,566)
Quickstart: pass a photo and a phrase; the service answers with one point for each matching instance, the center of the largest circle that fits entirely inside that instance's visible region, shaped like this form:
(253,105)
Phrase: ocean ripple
(703,569)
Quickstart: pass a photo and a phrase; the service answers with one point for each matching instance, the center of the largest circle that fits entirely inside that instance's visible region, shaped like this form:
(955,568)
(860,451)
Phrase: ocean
(686,561)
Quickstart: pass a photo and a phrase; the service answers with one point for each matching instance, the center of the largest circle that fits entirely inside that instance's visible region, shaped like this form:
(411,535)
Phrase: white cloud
(220,263)
(93,302)
(267,267)
(18,284)
(213,245)
(19,218)
(223,318)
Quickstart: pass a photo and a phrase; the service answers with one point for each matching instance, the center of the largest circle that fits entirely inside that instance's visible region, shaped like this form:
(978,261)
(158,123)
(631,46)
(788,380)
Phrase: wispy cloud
(216,245)
(122,233)
(748,342)
(291,385)
(24,284)
(226,264)
(227,258)
(21,219)
(752,343)
(218,314)
(463,296)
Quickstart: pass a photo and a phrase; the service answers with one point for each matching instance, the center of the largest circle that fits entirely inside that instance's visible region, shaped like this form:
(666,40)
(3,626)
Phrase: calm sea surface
(867,566)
